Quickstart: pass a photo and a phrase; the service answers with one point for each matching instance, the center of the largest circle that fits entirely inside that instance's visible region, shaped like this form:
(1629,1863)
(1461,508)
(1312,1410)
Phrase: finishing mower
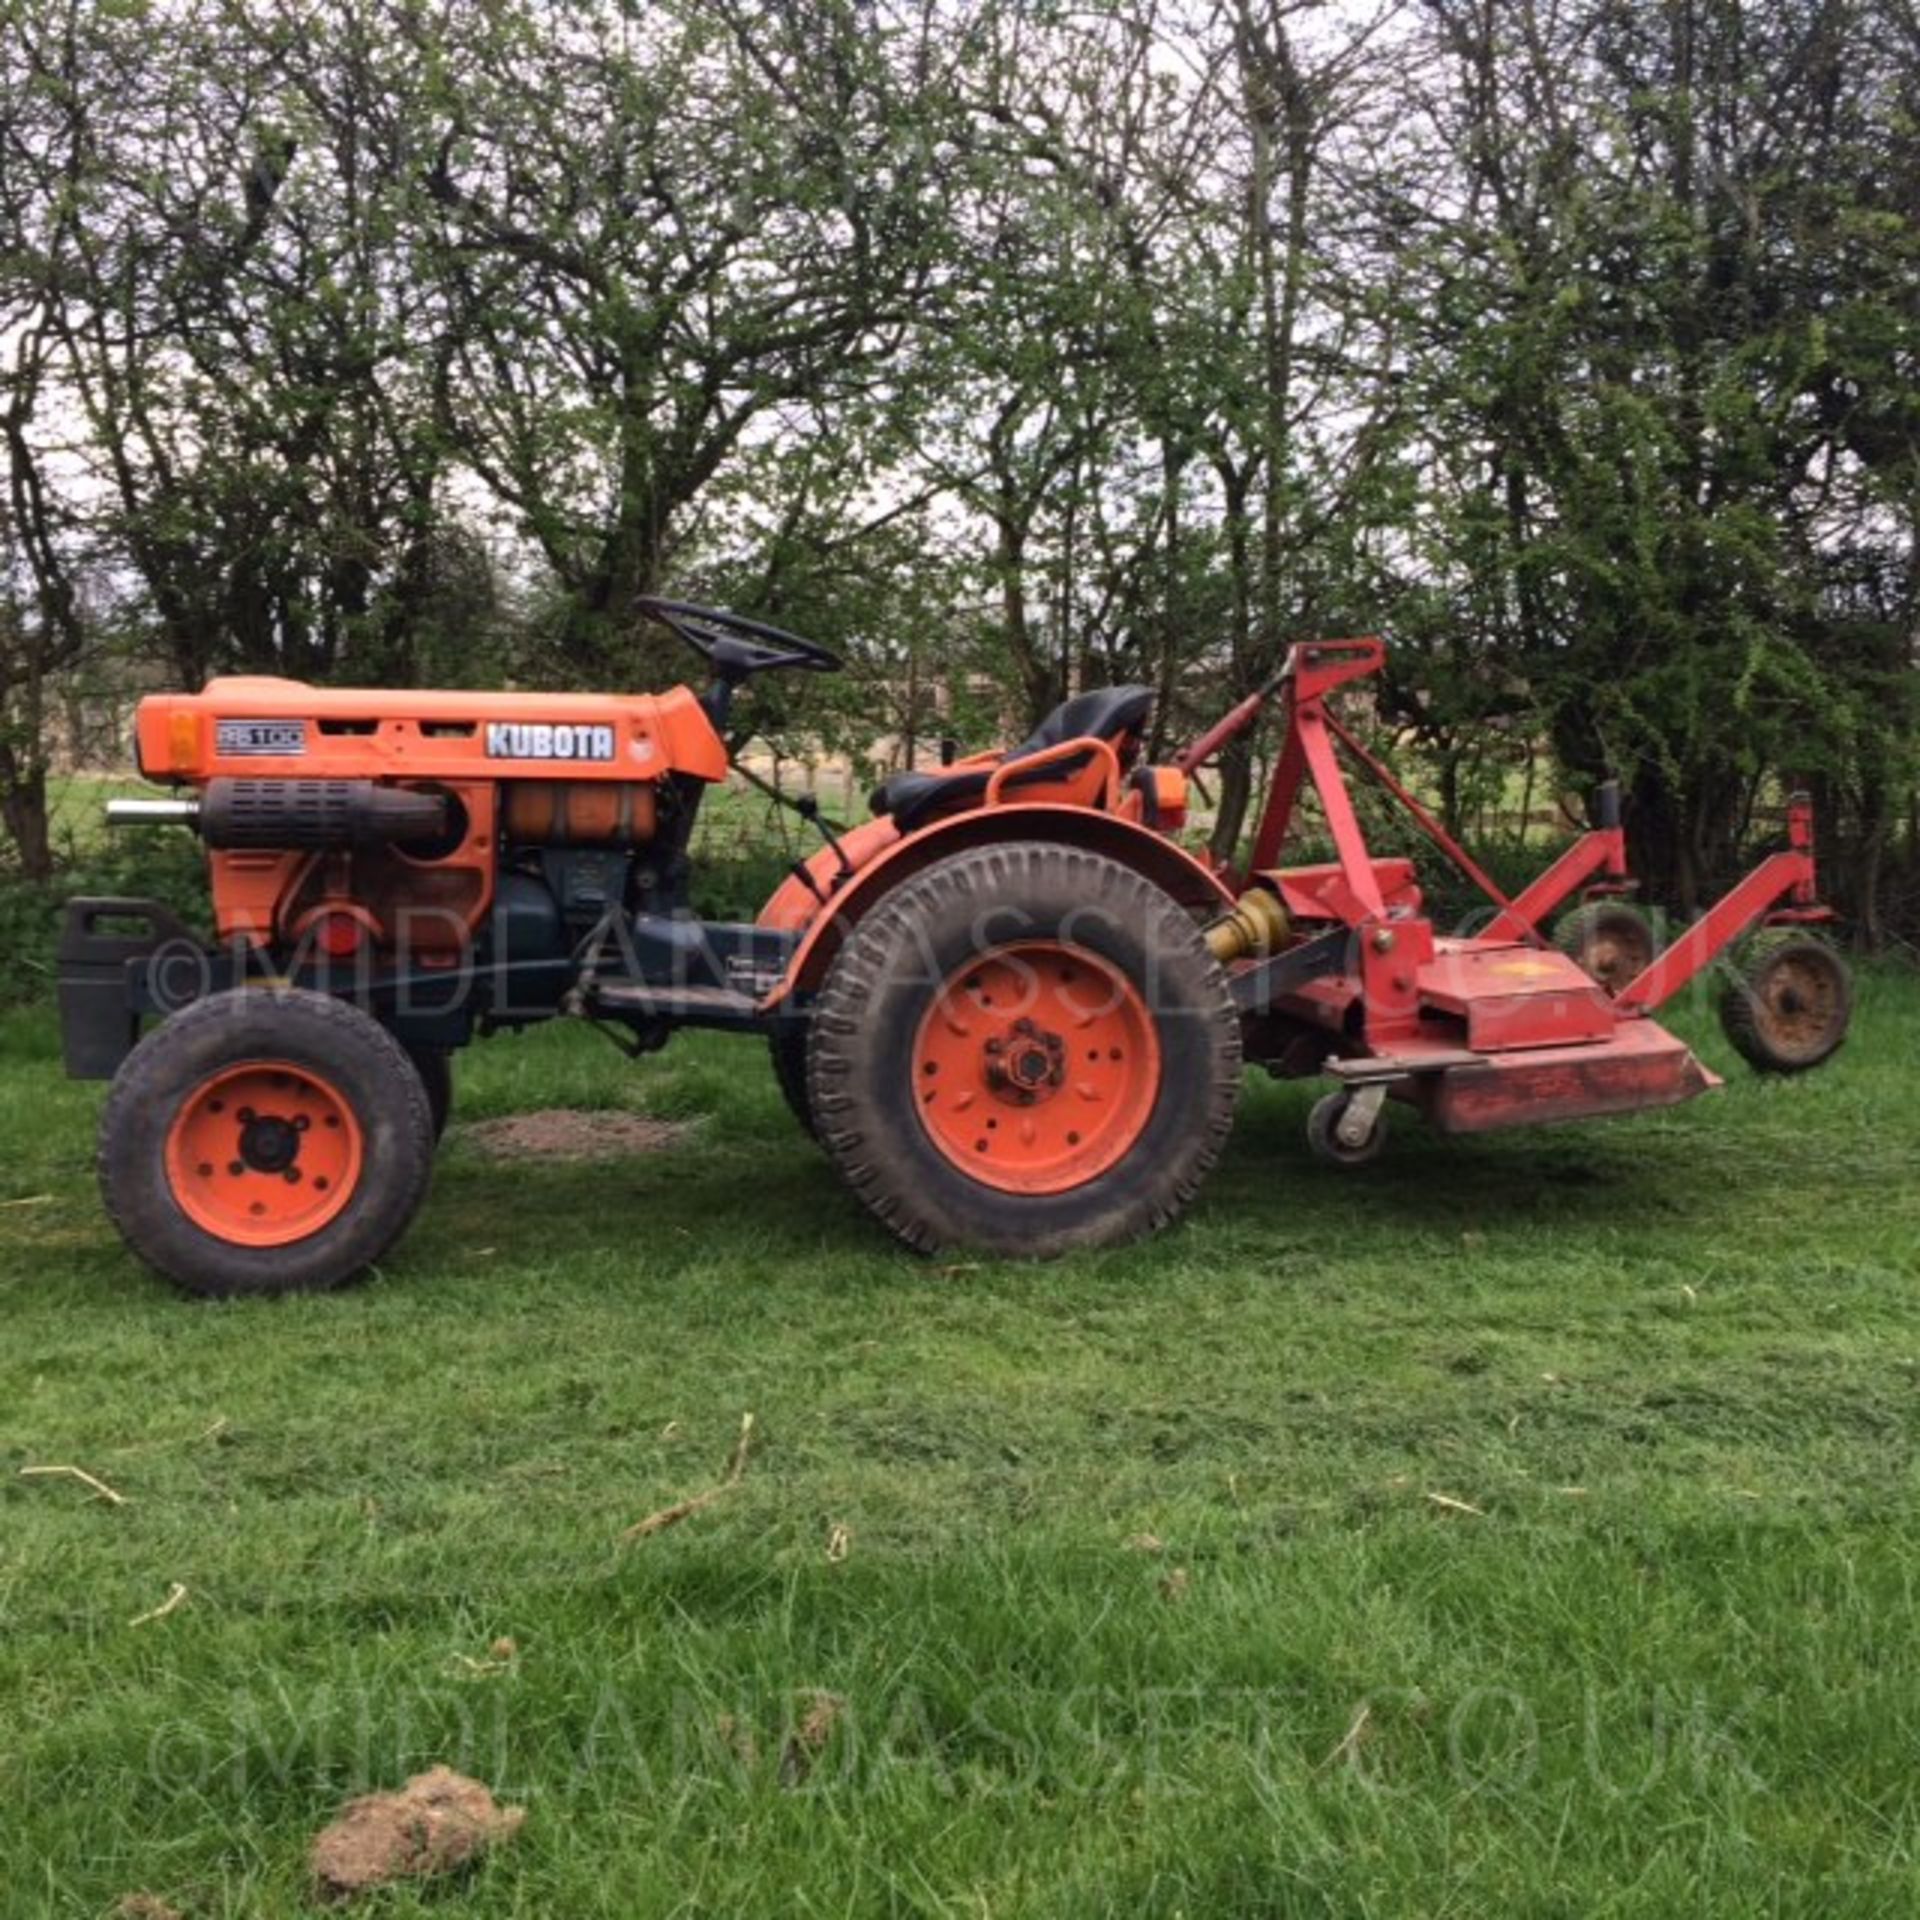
(1013,1011)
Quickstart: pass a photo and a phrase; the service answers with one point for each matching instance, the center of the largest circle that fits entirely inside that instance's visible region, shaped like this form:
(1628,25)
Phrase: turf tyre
(787,1044)
(1607,939)
(1788,1003)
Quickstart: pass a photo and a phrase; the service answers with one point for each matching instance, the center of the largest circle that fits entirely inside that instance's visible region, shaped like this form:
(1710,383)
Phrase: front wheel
(268,1140)
(1025,1049)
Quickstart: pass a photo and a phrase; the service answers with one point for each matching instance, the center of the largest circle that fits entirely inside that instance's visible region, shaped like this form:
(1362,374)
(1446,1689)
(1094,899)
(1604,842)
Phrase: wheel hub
(1026,1063)
(1798,1007)
(270,1144)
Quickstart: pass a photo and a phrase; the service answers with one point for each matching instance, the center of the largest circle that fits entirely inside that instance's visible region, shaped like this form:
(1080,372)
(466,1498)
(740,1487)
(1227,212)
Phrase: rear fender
(1175,871)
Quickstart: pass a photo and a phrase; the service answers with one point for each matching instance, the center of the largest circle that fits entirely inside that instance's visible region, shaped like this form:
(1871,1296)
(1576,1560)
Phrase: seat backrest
(1104,713)
(1101,713)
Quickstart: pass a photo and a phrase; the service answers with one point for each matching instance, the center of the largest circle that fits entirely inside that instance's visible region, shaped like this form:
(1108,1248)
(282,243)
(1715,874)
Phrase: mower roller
(1012,1009)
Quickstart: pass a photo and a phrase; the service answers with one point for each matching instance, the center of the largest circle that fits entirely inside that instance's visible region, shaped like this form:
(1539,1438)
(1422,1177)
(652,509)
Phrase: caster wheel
(1327,1136)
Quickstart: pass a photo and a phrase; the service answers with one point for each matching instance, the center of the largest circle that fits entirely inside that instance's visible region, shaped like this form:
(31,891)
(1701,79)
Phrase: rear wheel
(1789,1002)
(265,1141)
(1608,939)
(1025,1049)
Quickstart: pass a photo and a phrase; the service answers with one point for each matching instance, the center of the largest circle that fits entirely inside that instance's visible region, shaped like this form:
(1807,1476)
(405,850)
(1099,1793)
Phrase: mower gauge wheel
(1788,1003)
(1607,939)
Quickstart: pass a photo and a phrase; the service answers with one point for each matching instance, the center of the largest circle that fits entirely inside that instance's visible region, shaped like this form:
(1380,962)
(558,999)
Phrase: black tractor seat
(1101,713)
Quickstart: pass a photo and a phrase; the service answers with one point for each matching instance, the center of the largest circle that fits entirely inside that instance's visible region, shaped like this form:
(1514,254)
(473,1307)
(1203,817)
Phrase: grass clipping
(438,1822)
(684,1509)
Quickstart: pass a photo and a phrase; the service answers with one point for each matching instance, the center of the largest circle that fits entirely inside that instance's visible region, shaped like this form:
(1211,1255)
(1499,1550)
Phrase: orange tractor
(1011,1008)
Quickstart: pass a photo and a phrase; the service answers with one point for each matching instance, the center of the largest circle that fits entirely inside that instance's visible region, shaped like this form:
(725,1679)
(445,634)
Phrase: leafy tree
(651,235)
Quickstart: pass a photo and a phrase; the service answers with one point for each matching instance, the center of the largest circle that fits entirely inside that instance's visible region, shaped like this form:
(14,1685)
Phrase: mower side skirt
(1642,1066)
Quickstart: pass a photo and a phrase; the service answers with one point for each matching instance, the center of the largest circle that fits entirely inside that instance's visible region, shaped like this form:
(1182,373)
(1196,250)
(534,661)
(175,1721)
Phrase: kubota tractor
(1011,1008)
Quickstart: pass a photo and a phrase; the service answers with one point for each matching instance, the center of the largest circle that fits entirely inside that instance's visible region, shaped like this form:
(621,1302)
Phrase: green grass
(1692,1686)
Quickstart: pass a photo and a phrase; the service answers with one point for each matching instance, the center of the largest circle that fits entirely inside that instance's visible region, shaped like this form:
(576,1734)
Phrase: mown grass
(1671,1664)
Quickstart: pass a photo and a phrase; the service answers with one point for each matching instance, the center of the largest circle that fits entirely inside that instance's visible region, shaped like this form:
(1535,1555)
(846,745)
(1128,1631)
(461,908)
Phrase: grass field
(1537,1523)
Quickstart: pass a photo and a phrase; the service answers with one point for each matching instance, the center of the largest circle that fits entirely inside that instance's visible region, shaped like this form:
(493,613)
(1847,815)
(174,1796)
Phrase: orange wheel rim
(1036,1068)
(263,1154)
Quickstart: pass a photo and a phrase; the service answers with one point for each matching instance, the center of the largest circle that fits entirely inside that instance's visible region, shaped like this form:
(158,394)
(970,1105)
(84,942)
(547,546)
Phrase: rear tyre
(788,1045)
(434,1065)
(1025,1049)
(265,1141)
(1789,1002)
(1608,939)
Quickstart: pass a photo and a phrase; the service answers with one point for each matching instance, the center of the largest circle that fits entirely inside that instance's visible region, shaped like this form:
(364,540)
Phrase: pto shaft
(1257,924)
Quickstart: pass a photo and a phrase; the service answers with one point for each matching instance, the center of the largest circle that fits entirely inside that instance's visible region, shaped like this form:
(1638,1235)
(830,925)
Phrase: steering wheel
(735,646)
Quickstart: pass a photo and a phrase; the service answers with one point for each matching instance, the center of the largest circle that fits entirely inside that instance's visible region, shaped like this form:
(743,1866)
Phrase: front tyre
(262,1141)
(1025,1049)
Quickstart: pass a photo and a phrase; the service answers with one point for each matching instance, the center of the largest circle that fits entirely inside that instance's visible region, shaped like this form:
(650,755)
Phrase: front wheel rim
(264,1154)
(1036,1068)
